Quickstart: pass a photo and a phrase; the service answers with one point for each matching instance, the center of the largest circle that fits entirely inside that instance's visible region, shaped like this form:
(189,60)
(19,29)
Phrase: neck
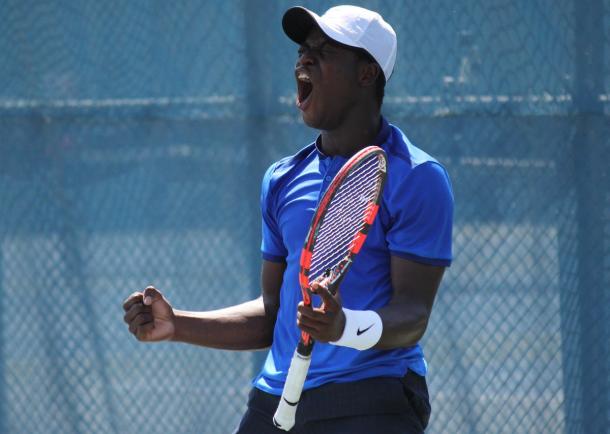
(352,135)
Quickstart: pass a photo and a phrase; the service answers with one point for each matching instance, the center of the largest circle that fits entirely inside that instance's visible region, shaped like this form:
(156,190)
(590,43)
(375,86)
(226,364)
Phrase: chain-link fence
(133,137)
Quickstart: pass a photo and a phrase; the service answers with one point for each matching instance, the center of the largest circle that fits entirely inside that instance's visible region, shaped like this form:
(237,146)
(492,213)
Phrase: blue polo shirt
(414,222)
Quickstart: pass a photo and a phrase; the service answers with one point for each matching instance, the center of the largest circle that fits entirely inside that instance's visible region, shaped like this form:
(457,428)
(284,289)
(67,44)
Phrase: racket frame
(284,417)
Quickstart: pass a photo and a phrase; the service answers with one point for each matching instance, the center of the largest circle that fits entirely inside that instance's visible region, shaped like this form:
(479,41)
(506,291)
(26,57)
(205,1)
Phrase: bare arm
(406,317)
(247,326)
(242,327)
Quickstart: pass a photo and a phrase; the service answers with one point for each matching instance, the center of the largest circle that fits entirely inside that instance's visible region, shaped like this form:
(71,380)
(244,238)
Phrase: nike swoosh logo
(359,332)
(292,404)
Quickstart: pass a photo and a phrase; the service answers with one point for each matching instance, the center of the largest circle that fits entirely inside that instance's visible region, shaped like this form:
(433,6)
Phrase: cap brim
(298,22)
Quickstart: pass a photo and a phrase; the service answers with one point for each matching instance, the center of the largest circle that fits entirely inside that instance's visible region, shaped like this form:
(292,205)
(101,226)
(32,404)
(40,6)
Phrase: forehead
(315,37)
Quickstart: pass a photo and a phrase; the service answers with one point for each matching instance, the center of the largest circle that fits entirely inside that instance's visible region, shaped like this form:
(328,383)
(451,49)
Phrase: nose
(305,58)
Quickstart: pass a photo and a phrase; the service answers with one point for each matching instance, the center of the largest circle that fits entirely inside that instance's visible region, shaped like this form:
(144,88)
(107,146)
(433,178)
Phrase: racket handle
(287,408)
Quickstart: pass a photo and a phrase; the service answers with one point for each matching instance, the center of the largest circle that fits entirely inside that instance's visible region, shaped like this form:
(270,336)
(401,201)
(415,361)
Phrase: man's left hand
(324,323)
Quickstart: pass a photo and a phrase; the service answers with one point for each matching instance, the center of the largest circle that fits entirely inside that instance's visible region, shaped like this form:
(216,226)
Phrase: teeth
(304,77)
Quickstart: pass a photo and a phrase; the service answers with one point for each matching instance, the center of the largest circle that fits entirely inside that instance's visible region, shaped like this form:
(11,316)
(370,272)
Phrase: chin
(319,121)
(311,121)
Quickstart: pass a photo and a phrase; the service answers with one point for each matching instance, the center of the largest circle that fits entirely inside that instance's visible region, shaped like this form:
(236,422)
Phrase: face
(327,81)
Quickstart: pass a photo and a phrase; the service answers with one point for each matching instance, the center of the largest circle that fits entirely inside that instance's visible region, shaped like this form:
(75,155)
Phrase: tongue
(304,91)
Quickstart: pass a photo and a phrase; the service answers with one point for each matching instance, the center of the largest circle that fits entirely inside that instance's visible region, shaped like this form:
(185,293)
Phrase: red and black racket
(338,229)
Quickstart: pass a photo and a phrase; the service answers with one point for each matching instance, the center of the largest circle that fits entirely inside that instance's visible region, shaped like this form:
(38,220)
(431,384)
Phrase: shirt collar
(380,139)
(384,133)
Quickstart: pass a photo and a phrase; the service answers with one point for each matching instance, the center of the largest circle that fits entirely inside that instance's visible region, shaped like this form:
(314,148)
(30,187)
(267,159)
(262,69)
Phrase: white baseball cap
(349,25)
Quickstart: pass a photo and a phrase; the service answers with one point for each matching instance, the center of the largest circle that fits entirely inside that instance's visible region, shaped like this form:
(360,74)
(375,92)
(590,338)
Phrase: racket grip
(286,410)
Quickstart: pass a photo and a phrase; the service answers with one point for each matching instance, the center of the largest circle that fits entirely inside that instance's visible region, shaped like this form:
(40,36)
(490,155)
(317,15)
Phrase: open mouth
(304,89)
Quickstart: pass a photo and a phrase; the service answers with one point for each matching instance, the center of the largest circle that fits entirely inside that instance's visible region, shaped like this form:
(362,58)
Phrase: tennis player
(367,373)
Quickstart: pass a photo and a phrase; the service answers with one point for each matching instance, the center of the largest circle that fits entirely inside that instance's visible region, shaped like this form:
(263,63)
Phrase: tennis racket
(337,232)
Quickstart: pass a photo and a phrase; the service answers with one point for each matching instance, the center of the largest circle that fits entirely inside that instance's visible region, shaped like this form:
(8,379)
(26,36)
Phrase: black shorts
(371,406)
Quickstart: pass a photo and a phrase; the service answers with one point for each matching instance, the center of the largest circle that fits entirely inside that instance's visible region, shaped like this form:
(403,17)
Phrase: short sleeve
(422,216)
(272,245)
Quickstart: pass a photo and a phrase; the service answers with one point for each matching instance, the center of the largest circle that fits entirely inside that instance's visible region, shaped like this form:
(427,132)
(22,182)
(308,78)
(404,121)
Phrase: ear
(369,72)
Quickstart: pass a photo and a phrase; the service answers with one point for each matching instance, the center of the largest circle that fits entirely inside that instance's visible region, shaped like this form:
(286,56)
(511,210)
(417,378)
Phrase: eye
(325,49)
(322,50)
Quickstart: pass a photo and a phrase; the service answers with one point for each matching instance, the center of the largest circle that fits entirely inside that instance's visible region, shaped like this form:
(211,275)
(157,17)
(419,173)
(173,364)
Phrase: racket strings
(345,226)
(336,248)
(346,216)
(353,182)
(353,196)
(349,212)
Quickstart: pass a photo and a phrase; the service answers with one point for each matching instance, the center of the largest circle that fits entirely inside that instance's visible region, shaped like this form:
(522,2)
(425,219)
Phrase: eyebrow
(317,47)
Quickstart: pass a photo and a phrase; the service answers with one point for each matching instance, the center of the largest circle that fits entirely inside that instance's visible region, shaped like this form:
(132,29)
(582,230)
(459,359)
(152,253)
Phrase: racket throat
(335,276)
(305,349)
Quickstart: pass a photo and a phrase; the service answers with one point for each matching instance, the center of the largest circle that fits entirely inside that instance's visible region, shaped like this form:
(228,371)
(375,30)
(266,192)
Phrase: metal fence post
(592,191)
(3,423)
(259,42)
